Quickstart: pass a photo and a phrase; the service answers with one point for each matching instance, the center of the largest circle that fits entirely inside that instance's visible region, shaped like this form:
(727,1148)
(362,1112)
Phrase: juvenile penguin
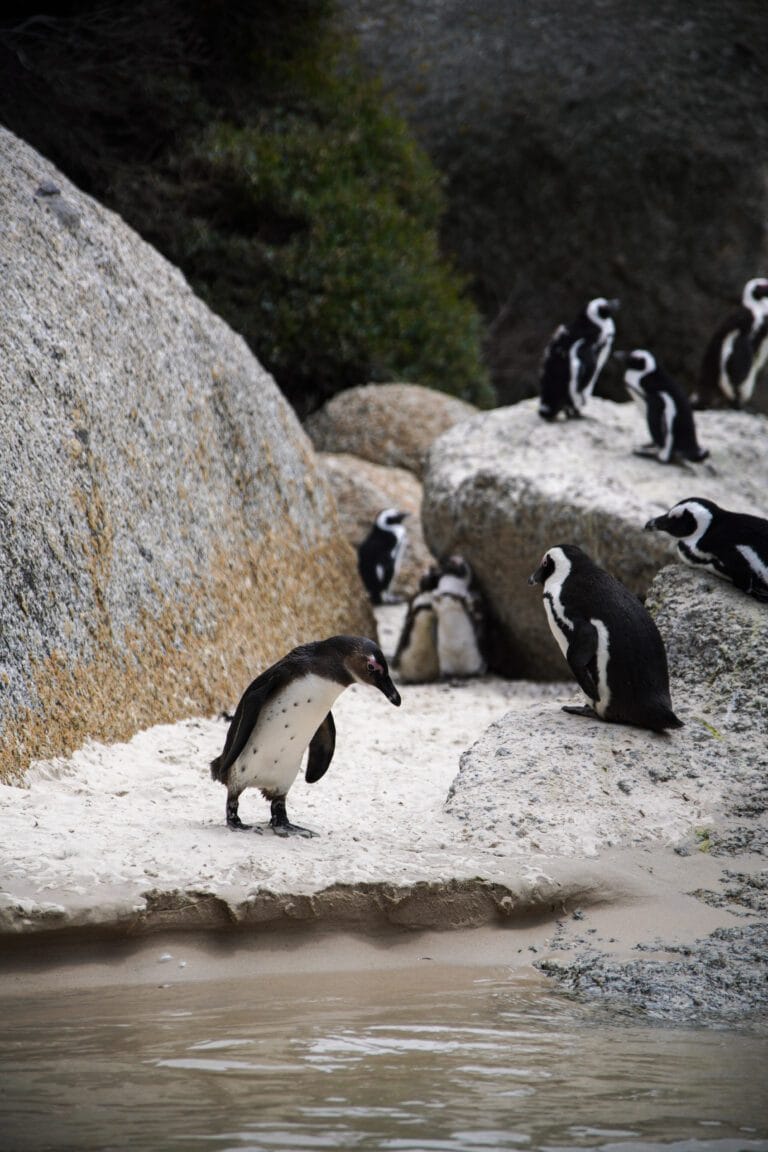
(737,350)
(380,554)
(286,709)
(609,639)
(460,620)
(416,655)
(667,409)
(732,545)
(574,358)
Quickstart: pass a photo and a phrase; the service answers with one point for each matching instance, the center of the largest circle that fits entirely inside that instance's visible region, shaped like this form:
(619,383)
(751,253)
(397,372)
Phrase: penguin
(666,406)
(460,621)
(732,545)
(416,654)
(380,554)
(574,358)
(609,639)
(737,351)
(286,709)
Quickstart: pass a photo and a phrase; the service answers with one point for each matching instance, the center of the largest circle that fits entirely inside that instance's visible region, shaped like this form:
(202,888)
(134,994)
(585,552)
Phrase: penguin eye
(372,667)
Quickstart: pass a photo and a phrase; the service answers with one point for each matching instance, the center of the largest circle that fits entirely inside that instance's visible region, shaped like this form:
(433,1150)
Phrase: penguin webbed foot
(237,825)
(581,710)
(281,825)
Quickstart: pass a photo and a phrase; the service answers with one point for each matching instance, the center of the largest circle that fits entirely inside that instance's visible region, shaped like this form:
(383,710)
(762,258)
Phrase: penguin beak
(620,357)
(385,685)
(537,577)
(658,524)
(614,305)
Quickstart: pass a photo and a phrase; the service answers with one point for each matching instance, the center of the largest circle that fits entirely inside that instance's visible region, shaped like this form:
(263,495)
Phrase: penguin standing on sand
(286,709)
(667,409)
(416,654)
(609,639)
(732,545)
(380,554)
(737,351)
(460,621)
(574,359)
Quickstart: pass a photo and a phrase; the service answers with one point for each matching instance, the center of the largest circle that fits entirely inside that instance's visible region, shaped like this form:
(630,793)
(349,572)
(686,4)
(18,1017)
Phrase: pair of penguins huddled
(606,634)
(444,629)
(735,355)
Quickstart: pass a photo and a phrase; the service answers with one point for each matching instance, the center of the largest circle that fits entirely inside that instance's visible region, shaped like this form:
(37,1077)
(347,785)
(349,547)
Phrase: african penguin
(416,654)
(732,545)
(574,359)
(609,639)
(459,611)
(737,351)
(286,709)
(667,409)
(380,554)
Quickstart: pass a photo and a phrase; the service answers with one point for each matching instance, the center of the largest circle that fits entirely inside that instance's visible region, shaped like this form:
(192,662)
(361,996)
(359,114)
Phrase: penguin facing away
(667,409)
(381,552)
(609,639)
(460,621)
(287,709)
(737,350)
(574,359)
(416,654)
(732,545)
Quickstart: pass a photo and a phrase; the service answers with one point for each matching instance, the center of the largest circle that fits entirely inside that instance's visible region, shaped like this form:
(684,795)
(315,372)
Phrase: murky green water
(387,1060)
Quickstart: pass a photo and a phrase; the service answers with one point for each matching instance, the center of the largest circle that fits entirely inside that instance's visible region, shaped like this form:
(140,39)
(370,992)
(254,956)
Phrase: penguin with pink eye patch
(286,710)
(609,639)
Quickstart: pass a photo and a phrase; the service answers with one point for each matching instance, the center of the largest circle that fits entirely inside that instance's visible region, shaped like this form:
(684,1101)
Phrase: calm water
(398,1061)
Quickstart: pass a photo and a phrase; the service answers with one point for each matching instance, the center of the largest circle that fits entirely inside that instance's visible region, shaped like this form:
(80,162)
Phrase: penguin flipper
(582,651)
(321,749)
(739,360)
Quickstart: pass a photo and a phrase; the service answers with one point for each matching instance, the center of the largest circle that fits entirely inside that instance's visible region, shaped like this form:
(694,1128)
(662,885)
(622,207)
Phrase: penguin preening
(460,621)
(667,409)
(286,709)
(574,359)
(732,545)
(609,639)
(381,552)
(737,351)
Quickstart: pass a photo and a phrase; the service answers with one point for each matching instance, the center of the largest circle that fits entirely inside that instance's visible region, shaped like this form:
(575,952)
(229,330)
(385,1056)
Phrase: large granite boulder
(568,785)
(362,490)
(388,424)
(165,530)
(506,486)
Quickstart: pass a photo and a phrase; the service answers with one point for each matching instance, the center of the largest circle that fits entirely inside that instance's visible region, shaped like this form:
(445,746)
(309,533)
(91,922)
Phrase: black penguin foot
(236,824)
(288,829)
(581,710)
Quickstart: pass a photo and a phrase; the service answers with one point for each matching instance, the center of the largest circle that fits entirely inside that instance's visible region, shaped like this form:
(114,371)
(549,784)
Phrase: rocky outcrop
(505,486)
(161,508)
(362,490)
(388,424)
(563,784)
(540,116)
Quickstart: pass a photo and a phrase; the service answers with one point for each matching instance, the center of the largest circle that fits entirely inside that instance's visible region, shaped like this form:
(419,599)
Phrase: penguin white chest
(272,757)
(457,648)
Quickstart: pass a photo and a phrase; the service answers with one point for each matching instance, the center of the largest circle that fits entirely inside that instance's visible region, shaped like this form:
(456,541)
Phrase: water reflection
(455,1066)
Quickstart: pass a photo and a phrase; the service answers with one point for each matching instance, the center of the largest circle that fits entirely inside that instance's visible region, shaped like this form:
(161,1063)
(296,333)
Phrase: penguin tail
(664,718)
(216,769)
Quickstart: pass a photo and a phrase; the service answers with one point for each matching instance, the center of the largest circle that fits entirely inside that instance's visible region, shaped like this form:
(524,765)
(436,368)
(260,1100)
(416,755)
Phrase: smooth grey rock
(164,527)
(505,486)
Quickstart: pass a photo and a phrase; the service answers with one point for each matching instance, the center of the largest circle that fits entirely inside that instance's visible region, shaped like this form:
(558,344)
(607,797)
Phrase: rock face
(565,784)
(388,424)
(541,115)
(506,486)
(160,506)
(362,490)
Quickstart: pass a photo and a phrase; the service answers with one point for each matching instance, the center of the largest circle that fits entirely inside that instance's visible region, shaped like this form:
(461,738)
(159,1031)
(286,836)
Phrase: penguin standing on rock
(609,639)
(574,359)
(737,351)
(460,621)
(732,545)
(286,709)
(380,554)
(667,409)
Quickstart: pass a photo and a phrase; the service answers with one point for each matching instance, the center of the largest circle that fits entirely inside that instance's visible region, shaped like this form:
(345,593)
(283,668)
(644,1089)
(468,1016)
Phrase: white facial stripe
(703,518)
(560,626)
(757,565)
(603,656)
